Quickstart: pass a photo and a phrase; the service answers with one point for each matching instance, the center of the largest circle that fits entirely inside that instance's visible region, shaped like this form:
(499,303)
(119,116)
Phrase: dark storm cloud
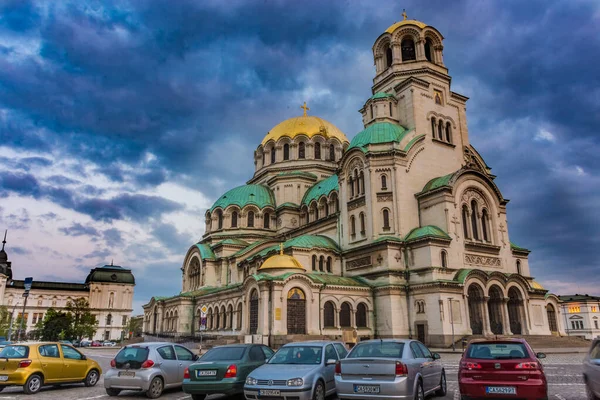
(19,250)
(61,180)
(113,237)
(170,238)
(78,229)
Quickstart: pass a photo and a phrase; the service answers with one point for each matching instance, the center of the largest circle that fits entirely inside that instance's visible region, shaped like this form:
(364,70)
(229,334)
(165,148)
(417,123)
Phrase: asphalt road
(563,373)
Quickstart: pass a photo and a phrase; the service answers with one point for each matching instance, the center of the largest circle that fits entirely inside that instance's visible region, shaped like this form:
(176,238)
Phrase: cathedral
(399,232)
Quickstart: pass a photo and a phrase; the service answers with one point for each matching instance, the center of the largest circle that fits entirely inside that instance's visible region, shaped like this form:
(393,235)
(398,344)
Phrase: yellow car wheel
(33,384)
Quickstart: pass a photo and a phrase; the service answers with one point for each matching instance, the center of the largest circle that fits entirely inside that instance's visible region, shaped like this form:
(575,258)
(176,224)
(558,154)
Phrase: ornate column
(506,317)
(487,331)
(420,49)
(396,53)
(438,55)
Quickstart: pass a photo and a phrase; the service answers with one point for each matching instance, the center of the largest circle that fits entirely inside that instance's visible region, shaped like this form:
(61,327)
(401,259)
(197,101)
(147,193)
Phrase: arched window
(317,151)
(352,225)
(390,108)
(321,262)
(263,158)
(220,219)
(519,267)
(286,151)
(109,320)
(331,152)
(448,133)
(239,316)
(273,155)
(218,319)
(250,219)
(441,130)
(428,46)
(465,219)
(386,219)
(316,211)
(326,208)
(301,150)
(444,257)
(484,225)
(388,57)
(329,315)
(361,316)
(345,317)
(383,182)
(474,220)
(361,216)
(433,127)
(361,180)
(408,50)
(328,264)
(234,218)
(314,263)
(372,115)
(266,221)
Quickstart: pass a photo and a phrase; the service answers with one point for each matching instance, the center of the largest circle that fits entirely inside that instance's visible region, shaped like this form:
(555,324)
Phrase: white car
(108,343)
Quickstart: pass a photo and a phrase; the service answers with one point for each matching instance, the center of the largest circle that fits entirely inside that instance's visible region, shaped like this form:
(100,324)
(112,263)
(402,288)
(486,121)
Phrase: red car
(503,368)
(96,343)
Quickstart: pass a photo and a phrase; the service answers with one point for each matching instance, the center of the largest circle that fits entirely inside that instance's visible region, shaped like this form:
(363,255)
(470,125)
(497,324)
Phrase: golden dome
(392,28)
(308,125)
(281,261)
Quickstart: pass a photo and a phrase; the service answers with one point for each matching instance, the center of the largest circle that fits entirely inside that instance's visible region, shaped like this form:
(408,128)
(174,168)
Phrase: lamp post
(27,283)
(11,320)
(452,323)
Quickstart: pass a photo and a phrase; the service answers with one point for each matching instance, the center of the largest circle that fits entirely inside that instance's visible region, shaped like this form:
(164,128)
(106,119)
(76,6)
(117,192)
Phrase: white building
(581,313)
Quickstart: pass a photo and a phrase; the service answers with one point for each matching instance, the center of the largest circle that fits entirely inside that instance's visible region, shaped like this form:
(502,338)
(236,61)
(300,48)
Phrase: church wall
(391,312)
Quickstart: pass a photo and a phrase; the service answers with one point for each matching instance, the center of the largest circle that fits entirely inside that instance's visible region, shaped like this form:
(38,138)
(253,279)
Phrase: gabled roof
(381,95)
(578,297)
(428,231)
(321,188)
(438,182)
(206,252)
(518,248)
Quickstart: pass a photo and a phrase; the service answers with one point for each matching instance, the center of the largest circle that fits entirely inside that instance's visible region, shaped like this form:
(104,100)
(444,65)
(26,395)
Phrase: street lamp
(11,321)
(452,323)
(27,283)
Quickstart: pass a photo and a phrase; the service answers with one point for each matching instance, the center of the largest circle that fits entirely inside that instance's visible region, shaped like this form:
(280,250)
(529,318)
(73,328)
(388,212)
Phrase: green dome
(321,188)
(381,95)
(380,132)
(111,274)
(258,195)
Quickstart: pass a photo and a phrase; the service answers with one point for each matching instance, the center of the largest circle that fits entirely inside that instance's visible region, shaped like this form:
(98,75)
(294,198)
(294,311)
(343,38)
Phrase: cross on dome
(404,15)
(304,108)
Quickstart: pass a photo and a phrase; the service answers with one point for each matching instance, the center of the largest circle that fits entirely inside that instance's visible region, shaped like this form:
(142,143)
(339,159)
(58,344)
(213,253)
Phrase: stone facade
(401,232)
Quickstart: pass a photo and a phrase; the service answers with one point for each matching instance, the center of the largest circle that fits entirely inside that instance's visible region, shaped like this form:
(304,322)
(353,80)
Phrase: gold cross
(304,108)
(404,14)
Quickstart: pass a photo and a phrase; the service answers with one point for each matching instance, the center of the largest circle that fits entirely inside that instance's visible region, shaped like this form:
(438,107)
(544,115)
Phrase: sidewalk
(551,350)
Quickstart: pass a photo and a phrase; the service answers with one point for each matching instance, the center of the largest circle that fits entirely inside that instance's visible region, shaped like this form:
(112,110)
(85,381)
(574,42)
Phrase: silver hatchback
(591,371)
(150,367)
(390,369)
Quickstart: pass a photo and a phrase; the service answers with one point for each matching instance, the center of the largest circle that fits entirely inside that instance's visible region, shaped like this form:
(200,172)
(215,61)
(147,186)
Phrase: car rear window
(224,353)
(377,349)
(497,351)
(134,356)
(15,352)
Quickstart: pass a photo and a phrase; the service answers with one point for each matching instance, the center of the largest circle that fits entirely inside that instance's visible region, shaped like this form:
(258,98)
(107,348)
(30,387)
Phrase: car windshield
(297,355)
(497,351)
(15,352)
(377,349)
(224,353)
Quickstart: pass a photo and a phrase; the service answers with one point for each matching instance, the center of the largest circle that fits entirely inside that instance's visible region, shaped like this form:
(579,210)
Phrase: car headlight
(295,382)
(250,381)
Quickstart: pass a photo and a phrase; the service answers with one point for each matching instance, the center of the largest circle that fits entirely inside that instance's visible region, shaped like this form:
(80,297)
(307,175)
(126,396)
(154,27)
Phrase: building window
(332,152)
(433,127)
(219,219)
(362,223)
(484,225)
(428,46)
(108,320)
(329,315)
(594,309)
(519,268)
(386,220)
(383,182)
(465,218)
(440,130)
(420,306)
(345,315)
(317,151)
(361,316)
(273,155)
(351,185)
(408,50)
(250,219)
(263,158)
(352,226)
(390,108)
(314,263)
(124,320)
(321,262)
(448,132)
(234,218)
(574,309)
(328,264)
(301,150)
(372,115)
(361,180)
(444,259)
(474,220)
(596,324)
(388,57)
(266,220)
(286,151)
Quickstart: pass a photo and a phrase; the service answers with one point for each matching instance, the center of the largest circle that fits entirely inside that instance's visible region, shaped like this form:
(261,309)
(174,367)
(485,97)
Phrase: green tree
(84,323)
(134,326)
(57,325)
(4,321)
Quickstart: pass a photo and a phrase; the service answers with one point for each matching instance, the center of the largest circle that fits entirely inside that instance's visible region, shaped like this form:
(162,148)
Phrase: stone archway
(253,312)
(296,312)
(495,310)
(552,323)
(475,294)
(515,311)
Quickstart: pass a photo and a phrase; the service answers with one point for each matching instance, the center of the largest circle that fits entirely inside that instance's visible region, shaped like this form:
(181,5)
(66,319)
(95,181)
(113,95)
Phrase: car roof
(499,340)
(312,342)
(386,341)
(238,345)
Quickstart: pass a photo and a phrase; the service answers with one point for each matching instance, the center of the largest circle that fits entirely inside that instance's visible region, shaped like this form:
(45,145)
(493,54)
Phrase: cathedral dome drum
(307,125)
(258,195)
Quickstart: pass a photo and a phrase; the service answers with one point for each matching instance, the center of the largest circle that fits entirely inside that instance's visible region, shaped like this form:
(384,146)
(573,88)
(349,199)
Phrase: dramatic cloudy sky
(122,121)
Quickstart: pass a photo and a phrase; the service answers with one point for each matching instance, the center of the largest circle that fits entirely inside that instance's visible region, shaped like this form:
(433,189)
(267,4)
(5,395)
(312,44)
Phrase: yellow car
(33,365)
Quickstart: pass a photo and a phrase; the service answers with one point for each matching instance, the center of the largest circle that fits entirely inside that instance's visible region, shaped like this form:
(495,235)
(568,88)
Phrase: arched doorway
(515,305)
(495,310)
(254,312)
(551,312)
(296,312)
(475,294)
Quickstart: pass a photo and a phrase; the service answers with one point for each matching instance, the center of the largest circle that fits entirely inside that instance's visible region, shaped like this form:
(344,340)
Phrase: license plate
(366,388)
(501,390)
(127,374)
(3,377)
(269,392)
(211,372)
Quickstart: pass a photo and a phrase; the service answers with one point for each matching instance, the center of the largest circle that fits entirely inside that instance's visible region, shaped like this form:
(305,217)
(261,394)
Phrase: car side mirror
(83,357)
(331,361)
(541,355)
(195,357)
(436,356)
